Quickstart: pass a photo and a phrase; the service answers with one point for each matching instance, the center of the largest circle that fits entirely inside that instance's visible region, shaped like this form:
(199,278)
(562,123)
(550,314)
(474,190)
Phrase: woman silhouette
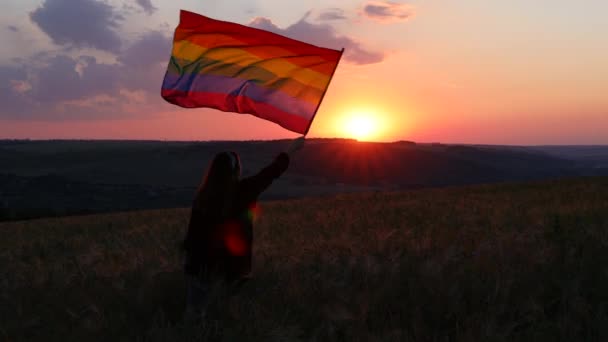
(219,239)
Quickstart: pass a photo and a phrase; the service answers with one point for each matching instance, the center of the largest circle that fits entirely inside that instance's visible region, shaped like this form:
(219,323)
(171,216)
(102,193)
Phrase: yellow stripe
(185,50)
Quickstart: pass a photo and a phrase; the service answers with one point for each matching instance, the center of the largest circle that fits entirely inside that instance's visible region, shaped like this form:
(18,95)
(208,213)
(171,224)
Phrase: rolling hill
(57,178)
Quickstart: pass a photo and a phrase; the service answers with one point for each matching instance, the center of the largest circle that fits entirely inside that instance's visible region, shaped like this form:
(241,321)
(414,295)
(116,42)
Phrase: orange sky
(512,73)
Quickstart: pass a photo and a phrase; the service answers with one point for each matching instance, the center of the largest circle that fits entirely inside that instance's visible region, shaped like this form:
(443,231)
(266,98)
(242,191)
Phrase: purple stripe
(239,87)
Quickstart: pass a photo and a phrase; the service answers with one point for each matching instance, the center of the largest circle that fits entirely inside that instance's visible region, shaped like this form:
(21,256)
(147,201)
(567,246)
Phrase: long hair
(214,197)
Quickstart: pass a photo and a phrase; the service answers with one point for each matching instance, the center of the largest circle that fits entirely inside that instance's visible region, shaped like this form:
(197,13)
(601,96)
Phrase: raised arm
(253,186)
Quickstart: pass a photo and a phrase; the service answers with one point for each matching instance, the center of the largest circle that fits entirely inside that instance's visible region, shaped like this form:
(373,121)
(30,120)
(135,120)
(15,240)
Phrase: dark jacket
(222,247)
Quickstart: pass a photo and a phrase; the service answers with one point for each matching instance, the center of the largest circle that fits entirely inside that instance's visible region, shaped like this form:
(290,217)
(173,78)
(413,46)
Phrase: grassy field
(502,262)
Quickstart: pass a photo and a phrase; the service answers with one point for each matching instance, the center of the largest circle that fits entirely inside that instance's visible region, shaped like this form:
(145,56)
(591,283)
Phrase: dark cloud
(56,86)
(58,81)
(79,23)
(67,87)
(10,73)
(387,11)
(322,35)
(151,48)
(145,62)
(332,14)
(61,81)
(147,6)
(148,79)
(12,103)
(99,78)
(12,28)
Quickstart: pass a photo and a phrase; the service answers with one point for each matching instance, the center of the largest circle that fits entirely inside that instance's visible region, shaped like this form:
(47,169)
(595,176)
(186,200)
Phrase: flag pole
(325,91)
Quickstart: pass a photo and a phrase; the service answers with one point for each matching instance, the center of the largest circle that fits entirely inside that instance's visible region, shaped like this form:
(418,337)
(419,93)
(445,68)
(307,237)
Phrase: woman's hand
(295,145)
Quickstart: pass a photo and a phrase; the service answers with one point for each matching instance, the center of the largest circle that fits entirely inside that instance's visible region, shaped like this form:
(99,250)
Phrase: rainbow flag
(235,68)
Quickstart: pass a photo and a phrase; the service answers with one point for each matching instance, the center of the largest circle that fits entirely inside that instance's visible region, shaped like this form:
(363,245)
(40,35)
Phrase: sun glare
(361,126)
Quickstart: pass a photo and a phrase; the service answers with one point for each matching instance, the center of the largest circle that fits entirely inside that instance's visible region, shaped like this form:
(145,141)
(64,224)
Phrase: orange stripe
(282,68)
(264,51)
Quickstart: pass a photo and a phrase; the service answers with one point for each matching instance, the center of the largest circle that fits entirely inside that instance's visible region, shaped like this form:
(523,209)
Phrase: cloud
(147,6)
(151,48)
(145,62)
(322,35)
(60,88)
(75,88)
(12,28)
(8,75)
(59,84)
(387,11)
(11,97)
(58,81)
(62,85)
(79,23)
(332,14)
(70,87)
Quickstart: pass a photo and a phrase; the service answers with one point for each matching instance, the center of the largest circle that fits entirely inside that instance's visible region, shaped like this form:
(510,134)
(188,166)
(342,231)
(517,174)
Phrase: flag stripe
(259,76)
(197,83)
(262,50)
(280,67)
(237,104)
(196,23)
(236,68)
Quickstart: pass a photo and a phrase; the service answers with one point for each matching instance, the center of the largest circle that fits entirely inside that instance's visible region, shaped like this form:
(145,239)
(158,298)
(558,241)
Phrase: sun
(361,126)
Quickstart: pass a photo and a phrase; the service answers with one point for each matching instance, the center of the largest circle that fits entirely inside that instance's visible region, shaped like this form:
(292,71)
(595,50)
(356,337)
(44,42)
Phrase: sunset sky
(514,72)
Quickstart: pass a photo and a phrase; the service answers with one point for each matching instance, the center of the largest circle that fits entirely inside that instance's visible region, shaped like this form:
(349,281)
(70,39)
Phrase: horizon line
(289,139)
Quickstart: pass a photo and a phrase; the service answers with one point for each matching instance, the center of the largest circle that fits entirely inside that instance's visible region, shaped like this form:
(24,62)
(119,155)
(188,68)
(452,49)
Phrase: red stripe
(193,23)
(238,104)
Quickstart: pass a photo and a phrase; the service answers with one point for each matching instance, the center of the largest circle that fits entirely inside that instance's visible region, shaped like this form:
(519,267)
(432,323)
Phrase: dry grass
(496,263)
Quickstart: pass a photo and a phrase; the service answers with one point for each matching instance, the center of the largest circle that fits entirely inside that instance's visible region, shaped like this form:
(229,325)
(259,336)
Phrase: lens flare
(253,212)
(234,240)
